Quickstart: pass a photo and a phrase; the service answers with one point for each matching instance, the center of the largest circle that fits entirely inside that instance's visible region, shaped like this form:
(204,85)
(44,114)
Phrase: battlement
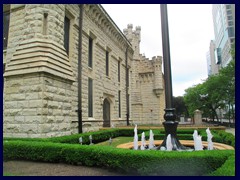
(132,34)
(157,59)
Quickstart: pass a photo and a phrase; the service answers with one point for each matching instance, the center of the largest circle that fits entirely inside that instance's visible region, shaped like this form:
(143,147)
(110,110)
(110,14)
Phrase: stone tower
(147,83)
(135,38)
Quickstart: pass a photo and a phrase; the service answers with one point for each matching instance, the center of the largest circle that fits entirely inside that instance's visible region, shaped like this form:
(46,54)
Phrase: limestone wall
(147,84)
(41,88)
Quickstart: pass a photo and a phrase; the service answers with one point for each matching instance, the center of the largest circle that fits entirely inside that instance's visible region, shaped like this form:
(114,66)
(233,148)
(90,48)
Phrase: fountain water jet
(151,140)
(197,141)
(135,141)
(209,139)
(169,143)
(143,142)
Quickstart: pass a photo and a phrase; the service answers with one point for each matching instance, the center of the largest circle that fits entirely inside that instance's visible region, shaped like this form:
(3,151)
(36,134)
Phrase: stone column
(197,117)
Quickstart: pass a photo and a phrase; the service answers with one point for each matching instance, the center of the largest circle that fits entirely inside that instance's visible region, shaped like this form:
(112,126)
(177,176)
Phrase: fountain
(135,141)
(170,124)
(143,142)
(209,139)
(197,141)
(151,140)
(90,139)
(80,140)
(110,141)
(169,143)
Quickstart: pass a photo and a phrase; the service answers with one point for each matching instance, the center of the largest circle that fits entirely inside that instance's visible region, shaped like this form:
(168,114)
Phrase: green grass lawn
(116,141)
(8,174)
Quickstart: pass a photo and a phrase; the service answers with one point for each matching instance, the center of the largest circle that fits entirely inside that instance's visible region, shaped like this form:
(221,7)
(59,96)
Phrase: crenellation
(147,84)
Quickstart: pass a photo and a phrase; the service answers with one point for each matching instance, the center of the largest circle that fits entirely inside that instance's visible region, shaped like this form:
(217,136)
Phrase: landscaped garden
(103,153)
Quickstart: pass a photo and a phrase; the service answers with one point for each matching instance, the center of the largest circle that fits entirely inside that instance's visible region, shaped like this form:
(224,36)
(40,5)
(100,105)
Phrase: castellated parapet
(147,97)
(134,36)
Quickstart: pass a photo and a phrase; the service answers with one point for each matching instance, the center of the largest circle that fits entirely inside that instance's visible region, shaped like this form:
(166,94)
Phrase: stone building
(147,84)
(42,81)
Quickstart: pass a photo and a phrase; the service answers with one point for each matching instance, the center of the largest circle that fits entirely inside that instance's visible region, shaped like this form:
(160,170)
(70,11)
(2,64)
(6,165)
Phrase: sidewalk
(31,168)
(230,130)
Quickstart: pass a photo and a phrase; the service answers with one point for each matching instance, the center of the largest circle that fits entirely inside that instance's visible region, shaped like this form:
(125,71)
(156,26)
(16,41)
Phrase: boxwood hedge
(66,149)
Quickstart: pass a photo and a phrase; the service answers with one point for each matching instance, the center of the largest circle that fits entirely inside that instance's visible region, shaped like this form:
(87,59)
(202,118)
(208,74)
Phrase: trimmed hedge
(103,135)
(66,149)
(227,169)
(127,161)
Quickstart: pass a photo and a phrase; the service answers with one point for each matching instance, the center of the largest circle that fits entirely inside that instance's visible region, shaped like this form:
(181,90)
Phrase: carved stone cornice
(101,18)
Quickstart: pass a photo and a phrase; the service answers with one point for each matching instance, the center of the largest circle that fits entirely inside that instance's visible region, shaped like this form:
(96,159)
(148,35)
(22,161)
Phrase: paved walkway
(29,168)
(230,130)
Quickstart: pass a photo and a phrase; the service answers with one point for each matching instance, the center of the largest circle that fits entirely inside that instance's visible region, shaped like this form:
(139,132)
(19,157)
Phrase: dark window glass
(230,17)
(6,18)
(107,63)
(119,103)
(119,71)
(90,50)
(230,23)
(230,32)
(66,33)
(90,97)
(228,7)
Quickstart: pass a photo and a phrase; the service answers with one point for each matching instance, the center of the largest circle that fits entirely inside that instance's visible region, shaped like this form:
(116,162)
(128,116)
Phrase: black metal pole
(166,56)
(170,124)
(80,69)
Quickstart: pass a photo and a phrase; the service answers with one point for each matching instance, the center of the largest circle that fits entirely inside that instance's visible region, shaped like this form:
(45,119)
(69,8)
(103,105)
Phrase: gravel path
(28,168)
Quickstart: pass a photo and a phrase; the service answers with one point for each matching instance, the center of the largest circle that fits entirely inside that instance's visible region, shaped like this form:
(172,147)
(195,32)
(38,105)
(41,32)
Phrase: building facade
(42,78)
(147,84)
(224,31)
(212,66)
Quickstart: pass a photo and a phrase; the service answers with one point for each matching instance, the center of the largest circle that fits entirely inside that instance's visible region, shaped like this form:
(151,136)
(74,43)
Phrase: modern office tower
(224,30)
(212,66)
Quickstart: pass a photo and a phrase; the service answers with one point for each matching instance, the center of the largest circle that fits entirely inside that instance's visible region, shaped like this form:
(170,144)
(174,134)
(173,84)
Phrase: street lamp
(170,124)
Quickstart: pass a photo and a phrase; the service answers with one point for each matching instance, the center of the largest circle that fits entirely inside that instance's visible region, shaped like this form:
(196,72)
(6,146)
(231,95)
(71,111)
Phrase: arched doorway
(106,113)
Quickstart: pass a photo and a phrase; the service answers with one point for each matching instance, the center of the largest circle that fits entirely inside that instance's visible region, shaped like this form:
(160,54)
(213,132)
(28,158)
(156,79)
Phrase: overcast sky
(190,31)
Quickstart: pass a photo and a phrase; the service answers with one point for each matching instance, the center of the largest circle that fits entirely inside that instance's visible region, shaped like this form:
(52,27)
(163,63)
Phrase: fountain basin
(188,143)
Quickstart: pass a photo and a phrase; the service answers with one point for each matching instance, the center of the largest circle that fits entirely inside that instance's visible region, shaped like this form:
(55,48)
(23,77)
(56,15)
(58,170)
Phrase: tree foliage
(220,91)
(179,105)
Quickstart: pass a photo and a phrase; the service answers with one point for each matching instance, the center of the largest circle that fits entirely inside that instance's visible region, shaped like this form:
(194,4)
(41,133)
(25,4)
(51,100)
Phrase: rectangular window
(66,33)
(45,23)
(90,97)
(228,6)
(230,23)
(229,17)
(119,104)
(107,63)
(231,32)
(6,19)
(119,71)
(229,12)
(90,51)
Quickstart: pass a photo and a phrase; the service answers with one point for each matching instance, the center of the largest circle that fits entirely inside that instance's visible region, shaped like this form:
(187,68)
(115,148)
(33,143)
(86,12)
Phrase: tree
(220,89)
(179,105)
(192,98)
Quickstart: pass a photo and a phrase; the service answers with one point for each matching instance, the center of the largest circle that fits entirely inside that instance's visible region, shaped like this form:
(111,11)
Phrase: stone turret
(135,38)
(157,67)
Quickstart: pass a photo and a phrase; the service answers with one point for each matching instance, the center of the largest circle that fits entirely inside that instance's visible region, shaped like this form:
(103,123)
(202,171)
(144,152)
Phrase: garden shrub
(122,160)
(227,169)
(66,149)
